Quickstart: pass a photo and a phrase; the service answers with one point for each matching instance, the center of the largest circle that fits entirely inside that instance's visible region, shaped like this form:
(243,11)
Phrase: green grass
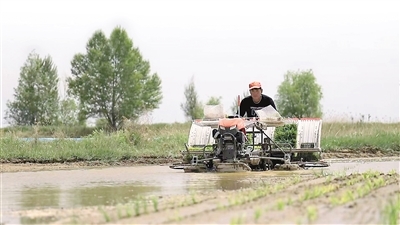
(156,141)
(163,141)
(376,136)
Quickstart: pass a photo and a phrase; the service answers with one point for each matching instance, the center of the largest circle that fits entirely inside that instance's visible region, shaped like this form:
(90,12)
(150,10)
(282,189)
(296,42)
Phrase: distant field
(164,141)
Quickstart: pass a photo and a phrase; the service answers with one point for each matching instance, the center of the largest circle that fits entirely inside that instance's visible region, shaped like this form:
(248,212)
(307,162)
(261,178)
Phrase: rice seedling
(177,217)
(119,211)
(194,200)
(238,220)
(137,207)
(312,213)
(220,206)
(319,173)
(106,215)
(329,178)
(393,172)
(154,200)
(391,212)
(128,209)
(257,214)
(280,205)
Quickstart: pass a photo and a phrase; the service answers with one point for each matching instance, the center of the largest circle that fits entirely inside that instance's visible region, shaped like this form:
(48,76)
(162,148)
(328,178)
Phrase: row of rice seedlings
(140,206)
(260,192)
(137,207)
(318,191)
(249,195)
(256,194)
(188,200)
(280,205)
(371,183)
(320,173)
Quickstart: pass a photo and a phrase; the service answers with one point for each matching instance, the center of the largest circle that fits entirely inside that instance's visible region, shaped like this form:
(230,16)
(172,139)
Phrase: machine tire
(210,164)
(263,165)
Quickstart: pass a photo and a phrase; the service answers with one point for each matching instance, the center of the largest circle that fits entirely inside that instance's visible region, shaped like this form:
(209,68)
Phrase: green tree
(112,80)
(36,96)
(214,100)
(68,112)
(299,95)
(192,107)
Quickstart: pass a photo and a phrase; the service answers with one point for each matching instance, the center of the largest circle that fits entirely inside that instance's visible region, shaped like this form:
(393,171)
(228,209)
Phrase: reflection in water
(109,195)
(235,181)
(40,197)
(47,197)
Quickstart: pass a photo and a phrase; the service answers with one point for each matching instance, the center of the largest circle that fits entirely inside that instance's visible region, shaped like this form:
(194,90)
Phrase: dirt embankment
(24,167)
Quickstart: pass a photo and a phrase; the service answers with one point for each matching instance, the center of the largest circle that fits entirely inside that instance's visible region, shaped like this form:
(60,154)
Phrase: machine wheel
(263,164)
(210,164)
(271,164)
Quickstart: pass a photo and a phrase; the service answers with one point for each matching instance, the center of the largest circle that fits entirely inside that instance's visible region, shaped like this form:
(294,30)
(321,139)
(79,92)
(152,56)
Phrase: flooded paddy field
(360,190)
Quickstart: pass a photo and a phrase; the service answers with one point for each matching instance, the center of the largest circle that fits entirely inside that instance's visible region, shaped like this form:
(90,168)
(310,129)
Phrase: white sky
(352,46)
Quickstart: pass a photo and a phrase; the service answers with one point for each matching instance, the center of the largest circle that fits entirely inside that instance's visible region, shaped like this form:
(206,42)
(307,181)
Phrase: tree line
(112,81)
(298,96)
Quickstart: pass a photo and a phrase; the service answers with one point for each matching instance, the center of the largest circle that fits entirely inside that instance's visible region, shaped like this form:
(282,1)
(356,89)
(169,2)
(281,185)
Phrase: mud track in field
(358,198)
(336,198)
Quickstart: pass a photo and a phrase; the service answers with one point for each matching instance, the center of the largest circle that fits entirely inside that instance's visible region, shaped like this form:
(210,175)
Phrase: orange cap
(254,84)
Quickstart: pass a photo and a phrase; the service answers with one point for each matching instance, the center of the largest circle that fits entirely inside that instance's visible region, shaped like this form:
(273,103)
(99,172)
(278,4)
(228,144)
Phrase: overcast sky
(352,47)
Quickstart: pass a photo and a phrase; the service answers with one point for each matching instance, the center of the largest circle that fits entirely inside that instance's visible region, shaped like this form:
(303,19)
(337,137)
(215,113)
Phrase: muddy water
(109,186)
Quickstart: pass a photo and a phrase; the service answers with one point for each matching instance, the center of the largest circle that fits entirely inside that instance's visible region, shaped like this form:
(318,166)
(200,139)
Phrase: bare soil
(316,199)
(352,199)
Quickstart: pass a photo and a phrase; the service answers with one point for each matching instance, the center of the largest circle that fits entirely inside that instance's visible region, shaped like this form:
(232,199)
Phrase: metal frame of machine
(223,145)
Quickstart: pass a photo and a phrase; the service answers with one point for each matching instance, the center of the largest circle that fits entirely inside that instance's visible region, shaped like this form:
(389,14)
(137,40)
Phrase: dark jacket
(248,107)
